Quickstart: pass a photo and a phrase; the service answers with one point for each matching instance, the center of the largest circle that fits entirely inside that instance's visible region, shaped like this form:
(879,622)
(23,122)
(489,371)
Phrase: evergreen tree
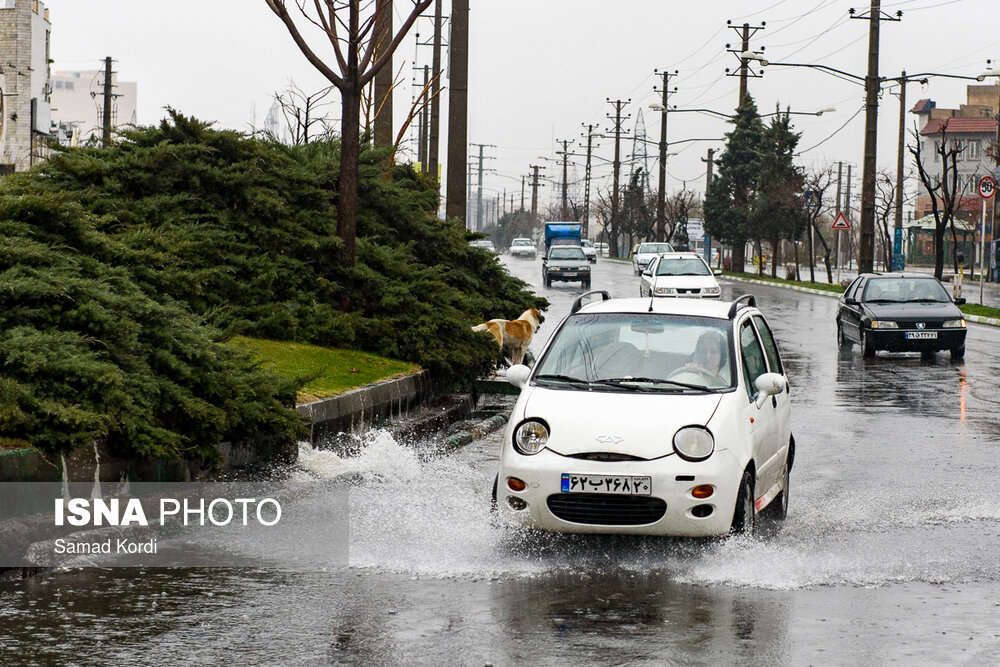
(729,200)
(778,211)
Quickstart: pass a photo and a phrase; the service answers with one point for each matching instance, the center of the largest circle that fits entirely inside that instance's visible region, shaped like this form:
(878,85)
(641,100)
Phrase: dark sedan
(566,263)
(900,312)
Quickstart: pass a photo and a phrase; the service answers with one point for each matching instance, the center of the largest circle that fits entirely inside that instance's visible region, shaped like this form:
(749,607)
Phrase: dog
(517,334)
(496,330)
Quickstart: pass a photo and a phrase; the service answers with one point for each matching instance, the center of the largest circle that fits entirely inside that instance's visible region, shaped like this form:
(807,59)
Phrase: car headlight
(954,324)
(882,324)
(585,268)
(664,290)
(712,290)
(694,443)
(530,436)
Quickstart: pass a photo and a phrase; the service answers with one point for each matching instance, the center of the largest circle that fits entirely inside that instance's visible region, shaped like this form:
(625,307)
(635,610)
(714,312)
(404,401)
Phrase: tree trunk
(347,189)
(739,257)
(939,250)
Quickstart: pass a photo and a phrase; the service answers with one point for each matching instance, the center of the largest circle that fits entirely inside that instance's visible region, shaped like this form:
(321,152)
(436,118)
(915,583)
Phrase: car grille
(606,457)
(912,324)
(604,509)
(693,290)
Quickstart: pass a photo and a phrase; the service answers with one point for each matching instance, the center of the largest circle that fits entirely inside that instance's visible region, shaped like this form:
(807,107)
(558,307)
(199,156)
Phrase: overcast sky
(540,69)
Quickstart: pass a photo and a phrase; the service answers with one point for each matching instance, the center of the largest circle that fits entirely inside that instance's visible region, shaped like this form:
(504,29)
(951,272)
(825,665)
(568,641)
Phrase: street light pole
(866,248)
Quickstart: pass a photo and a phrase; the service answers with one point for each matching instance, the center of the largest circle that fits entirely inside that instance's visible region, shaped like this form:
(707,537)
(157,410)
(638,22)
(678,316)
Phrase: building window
(972,150)
(69,85)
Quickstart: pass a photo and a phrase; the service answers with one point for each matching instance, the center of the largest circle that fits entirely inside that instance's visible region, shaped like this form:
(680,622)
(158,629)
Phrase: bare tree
(348,25)
(302,112)
(678,209)
(943,192)
(818,182)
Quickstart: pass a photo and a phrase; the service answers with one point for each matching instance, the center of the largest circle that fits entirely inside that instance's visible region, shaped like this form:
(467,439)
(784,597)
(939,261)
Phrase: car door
(781,403)
(850,314)
(763,414)
(647,278)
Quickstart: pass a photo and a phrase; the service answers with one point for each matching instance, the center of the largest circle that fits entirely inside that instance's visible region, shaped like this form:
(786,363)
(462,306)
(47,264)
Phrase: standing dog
(495,330)
(517,333)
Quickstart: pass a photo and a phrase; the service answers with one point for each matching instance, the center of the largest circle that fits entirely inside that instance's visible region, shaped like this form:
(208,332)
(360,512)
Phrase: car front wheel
(867,350)
(744,519)
(842,342)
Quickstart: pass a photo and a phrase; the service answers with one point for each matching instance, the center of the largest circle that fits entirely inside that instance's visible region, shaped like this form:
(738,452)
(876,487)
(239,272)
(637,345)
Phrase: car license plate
(629,485)
(920,335)
(570,275)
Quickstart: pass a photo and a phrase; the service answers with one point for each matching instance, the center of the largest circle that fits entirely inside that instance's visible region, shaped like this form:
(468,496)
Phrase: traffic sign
(987,186)
(840,222)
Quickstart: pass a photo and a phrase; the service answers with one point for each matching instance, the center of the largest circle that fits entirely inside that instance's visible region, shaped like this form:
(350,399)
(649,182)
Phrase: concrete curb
(483,428)
(979,319)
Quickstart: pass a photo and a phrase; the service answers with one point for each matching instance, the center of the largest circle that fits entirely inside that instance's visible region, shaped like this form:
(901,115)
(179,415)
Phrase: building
(24,105)
(974,126)
(78,105)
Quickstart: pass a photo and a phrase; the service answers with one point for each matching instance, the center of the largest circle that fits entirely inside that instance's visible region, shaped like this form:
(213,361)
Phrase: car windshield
(639,352)
(900,290)
(521,242)
(682,266)
(567,253)
(654,247)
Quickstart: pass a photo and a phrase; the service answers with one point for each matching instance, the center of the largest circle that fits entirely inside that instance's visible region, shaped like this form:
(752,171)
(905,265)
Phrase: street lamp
(728,116)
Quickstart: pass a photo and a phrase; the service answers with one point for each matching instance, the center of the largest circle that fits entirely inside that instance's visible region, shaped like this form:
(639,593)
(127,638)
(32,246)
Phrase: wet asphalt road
(890,554)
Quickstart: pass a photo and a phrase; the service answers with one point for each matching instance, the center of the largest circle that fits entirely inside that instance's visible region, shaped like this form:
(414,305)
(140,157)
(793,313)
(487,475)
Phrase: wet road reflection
(887,554)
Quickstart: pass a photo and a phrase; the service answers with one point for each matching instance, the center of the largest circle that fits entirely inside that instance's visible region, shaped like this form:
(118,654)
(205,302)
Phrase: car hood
(914,310)
(644,257)
(685,282)
(637,424)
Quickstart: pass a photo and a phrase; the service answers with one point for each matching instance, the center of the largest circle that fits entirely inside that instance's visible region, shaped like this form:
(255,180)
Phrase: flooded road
(888,554)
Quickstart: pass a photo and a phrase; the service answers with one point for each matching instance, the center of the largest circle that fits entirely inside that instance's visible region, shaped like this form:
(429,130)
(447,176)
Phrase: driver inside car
(709,356)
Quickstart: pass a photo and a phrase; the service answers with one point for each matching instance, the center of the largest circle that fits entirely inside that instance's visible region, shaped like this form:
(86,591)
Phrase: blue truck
(562,233)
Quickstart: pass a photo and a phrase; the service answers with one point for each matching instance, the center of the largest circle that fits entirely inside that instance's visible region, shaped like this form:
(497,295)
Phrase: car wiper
(564,378)
(926,299)
(619,382)
(882,301)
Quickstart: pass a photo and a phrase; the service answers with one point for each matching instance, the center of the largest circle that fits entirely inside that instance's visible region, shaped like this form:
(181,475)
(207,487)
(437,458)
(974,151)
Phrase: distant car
(566,263)
(645,252)
(679,274)
(589,250)
(669,417)
(523,248)
(602,249)
(900,312)
(485,244)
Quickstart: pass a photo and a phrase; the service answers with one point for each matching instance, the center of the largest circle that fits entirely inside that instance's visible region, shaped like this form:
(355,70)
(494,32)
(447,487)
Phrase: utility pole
(866,248)
(740,196)
(746,32)
(534,189)
(661,218)
(423,124)
(709,163)
(847,214)
(383,79)
(898,260)
(564,211)
(586,183)
(458,105)
(106,137)
(479,193)
(616,165)
(435,129)
(468,195)
(523,179)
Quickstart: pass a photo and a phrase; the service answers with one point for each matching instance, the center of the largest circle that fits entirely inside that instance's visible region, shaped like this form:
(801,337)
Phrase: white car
(646,252)
(589,250)
(602,249)
(679,274)
(623,426)
(523,248)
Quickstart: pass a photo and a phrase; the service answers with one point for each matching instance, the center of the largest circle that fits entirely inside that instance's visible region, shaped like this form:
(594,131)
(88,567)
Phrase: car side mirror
(851,301)
(647,272)
(769,384)
(960,301)
(717,272)
(518,374)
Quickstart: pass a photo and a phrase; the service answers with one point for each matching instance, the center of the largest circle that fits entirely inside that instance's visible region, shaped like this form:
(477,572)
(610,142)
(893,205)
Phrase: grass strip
(325,371)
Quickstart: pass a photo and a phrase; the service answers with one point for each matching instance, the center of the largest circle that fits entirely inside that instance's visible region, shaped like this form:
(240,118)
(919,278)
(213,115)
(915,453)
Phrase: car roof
(900,274)
(680,254)
(696,307)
